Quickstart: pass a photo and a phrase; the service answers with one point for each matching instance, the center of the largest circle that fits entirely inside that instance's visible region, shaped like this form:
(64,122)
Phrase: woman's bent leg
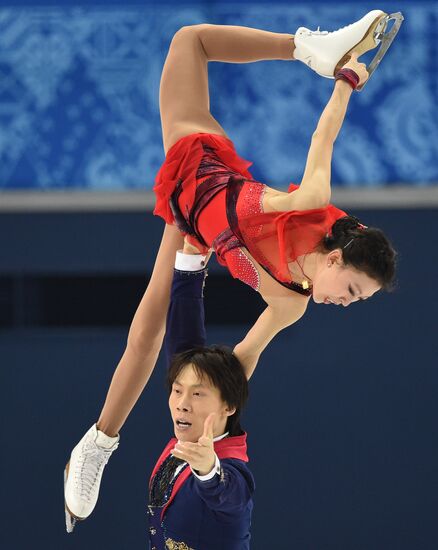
(144,340)
(184,94)
(233,44)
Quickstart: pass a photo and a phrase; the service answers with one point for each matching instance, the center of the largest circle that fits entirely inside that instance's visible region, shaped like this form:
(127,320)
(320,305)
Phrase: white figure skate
(326,52)
(83,474)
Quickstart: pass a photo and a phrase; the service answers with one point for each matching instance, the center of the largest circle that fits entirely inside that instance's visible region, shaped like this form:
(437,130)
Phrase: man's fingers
(184,454)
(208,426)
(354,56)
(187,446)
(204,441)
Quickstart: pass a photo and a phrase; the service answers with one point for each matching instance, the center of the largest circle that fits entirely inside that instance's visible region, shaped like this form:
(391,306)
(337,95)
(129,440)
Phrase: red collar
(229,447)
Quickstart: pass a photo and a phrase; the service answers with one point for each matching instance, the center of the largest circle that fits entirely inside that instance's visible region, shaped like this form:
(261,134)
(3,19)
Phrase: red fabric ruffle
(182,161)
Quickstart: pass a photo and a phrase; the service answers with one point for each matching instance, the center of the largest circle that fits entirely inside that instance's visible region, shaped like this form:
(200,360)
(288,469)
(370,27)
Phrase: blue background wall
(341,418)
(80,86)
(343,407)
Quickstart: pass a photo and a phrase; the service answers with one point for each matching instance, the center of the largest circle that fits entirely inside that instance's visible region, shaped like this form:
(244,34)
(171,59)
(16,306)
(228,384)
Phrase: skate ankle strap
(348,75)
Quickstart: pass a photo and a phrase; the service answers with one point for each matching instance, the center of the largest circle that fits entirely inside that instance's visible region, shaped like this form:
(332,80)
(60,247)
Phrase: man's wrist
(209,475)
(190,262)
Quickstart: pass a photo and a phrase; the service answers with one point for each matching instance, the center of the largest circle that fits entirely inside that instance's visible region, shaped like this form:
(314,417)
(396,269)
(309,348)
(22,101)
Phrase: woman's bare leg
(184,95)
(184,107)
(144,340)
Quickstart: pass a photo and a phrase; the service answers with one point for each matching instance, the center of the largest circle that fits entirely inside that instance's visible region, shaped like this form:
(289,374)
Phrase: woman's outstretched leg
(144,339)
(184,94)
(84,470)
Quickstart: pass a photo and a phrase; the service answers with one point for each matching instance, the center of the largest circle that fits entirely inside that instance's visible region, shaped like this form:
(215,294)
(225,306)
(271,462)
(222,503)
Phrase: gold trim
(173,545)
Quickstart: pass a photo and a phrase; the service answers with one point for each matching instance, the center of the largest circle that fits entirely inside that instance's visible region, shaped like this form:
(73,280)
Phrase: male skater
(200,492)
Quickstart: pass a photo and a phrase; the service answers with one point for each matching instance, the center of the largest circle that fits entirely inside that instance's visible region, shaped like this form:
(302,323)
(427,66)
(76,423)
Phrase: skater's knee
(189,32)
(183,33)
(191,29)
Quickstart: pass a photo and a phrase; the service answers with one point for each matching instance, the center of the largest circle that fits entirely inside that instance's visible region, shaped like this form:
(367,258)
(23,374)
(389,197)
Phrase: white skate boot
(83,474)
(326,52)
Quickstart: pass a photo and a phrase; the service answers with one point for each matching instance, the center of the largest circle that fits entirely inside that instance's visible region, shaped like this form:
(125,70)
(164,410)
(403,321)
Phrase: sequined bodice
(164,480)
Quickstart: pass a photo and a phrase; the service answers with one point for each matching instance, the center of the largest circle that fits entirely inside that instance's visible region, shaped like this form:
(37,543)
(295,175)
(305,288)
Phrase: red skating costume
(206,189)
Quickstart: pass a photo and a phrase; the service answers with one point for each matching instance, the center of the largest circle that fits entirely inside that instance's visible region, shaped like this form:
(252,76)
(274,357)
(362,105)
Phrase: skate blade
(385,39)
(70,519)
(368,42)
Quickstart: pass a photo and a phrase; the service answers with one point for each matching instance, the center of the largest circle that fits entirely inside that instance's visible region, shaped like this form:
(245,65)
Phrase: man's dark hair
(223,370)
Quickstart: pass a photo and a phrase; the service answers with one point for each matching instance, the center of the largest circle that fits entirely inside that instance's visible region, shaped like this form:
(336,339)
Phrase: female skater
(287,246)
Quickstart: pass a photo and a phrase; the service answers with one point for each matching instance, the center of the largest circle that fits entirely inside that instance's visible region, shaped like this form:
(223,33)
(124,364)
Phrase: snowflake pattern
(79,97)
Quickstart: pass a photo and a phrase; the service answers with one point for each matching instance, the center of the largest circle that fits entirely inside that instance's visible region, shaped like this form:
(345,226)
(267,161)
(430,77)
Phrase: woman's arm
(274,318)
(315,185)
(314,191)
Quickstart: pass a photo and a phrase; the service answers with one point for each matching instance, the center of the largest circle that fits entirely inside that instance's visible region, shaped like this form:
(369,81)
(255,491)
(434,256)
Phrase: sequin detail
(250,203)
(252,233)
(242,268)
(163,481)
(228,248)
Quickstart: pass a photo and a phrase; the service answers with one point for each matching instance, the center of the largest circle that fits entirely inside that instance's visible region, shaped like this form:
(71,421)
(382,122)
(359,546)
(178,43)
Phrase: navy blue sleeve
(185,324)
(230,491)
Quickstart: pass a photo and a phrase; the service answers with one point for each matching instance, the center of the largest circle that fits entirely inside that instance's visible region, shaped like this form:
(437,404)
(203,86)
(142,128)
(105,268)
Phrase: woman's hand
(190,248)
(359,68)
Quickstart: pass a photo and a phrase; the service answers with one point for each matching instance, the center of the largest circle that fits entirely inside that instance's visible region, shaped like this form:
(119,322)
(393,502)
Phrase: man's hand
(359,68)
(200,456)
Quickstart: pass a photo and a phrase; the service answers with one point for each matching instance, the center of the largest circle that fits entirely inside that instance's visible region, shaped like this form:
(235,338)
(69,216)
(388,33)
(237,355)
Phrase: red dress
(206,189)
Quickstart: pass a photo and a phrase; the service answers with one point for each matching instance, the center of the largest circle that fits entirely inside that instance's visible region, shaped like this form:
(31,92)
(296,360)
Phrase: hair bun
(342,227)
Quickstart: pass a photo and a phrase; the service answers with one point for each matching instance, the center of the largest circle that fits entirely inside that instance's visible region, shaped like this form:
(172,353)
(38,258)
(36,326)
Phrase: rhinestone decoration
(164,481)
(242,268)
(250,203)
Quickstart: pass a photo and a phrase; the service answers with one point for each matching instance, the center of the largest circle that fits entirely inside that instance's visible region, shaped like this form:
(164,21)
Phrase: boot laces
(342,28)
(318,32)
(92,461)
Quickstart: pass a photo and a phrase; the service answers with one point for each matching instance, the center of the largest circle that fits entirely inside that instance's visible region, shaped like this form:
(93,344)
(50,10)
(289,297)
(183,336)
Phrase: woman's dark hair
(223,370)
(365,248)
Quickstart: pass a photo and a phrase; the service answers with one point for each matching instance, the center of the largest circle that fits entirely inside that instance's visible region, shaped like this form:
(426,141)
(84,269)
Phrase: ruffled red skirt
(191,160)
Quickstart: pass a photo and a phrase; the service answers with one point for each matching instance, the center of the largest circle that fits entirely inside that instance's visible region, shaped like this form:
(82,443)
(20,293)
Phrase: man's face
(191,400)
